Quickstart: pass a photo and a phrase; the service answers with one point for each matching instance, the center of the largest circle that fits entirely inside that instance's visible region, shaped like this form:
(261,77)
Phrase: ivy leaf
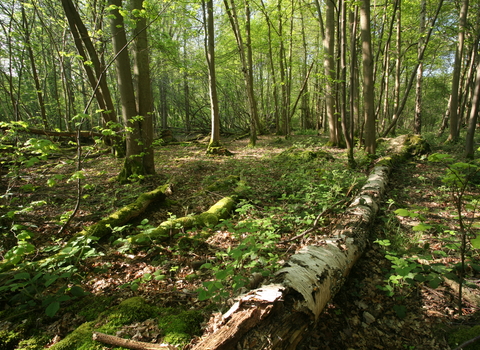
(422,227)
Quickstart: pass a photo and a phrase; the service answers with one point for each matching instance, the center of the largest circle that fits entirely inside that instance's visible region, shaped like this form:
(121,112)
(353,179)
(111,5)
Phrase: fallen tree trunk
(220,210)
(276,316)
(102,228)
(68,134)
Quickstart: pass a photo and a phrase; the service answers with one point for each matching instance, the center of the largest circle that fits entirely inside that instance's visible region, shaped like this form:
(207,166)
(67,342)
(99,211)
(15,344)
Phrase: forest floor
(279,202)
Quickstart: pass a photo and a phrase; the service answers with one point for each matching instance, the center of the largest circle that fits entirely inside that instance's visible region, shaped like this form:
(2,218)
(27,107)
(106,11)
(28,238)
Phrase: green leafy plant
(460,177)
(48,290)
(253,255)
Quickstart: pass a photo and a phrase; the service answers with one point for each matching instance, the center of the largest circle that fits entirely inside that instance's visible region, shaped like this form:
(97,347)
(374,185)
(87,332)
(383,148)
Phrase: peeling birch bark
(311,277)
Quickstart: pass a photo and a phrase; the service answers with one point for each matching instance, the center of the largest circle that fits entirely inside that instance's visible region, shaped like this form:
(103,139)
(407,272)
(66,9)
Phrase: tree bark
(141,72)
(418,87)
(212,76)
(97,80)
(329,66)
(368,78)
(135,161)
(472,121)
(399,108)
(457,67)
(33,65)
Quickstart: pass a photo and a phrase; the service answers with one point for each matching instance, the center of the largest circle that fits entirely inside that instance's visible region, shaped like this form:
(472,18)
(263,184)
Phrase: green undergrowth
(440,239)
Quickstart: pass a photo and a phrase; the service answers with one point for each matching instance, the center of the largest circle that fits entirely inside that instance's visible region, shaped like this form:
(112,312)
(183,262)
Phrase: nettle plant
(461,183)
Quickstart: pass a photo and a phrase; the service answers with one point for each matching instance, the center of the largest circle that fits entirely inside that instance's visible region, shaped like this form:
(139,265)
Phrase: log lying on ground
(276,316)
(211,217)
(103,227)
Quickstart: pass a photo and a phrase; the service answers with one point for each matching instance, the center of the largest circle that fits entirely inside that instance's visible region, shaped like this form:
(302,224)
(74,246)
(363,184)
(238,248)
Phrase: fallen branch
(128,343)
(468,342)
(220,210)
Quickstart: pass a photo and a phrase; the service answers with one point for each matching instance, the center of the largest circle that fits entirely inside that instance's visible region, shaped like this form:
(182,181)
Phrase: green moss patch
(305,155)
(460,336)
(177,326)
(180,326)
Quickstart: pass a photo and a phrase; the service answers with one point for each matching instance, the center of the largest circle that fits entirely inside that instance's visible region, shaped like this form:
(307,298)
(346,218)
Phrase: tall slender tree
(245,52)
(457,67)
(368,78)
(212,77)
(418,87)
(138,149)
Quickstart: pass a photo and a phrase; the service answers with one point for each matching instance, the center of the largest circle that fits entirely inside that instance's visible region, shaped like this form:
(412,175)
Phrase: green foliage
(408,269)
(255,254)
(461,335)
(27,290)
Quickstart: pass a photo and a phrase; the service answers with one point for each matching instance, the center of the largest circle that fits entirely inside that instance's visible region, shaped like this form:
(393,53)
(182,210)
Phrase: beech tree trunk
(368,78)
(275,316)
(472,121)
(457,67)
(212,80)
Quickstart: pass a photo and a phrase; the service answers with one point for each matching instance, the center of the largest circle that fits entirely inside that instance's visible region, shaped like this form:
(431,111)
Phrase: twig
(468,342)
(315,223)
(128,343)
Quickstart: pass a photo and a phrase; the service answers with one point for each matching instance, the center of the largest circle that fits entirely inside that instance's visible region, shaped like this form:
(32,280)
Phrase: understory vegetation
(287,192)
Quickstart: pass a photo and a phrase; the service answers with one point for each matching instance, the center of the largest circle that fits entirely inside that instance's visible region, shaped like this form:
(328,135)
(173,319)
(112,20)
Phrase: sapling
(458,178)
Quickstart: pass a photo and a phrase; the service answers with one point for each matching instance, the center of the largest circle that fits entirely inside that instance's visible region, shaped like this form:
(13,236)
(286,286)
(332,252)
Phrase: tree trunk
(97,76)
(245,52)
(212,80)
(418,87)
(141,71)
(368,78)
(472,121)
(133,164)
(276,315)
(329,66)
(36,78)
(345,120)
(457,67)
(401,105)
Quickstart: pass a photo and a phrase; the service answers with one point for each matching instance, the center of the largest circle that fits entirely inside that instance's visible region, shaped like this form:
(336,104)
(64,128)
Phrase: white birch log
(312,276)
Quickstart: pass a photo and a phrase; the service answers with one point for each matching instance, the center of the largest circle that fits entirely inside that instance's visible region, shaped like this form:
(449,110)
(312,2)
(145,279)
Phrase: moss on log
(220,210)
(100,229)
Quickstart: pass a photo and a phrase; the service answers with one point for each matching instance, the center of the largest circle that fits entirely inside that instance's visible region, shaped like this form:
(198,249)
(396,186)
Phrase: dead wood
(220,210)
(105,226)
(308,281)
(128,343)
(68,134)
